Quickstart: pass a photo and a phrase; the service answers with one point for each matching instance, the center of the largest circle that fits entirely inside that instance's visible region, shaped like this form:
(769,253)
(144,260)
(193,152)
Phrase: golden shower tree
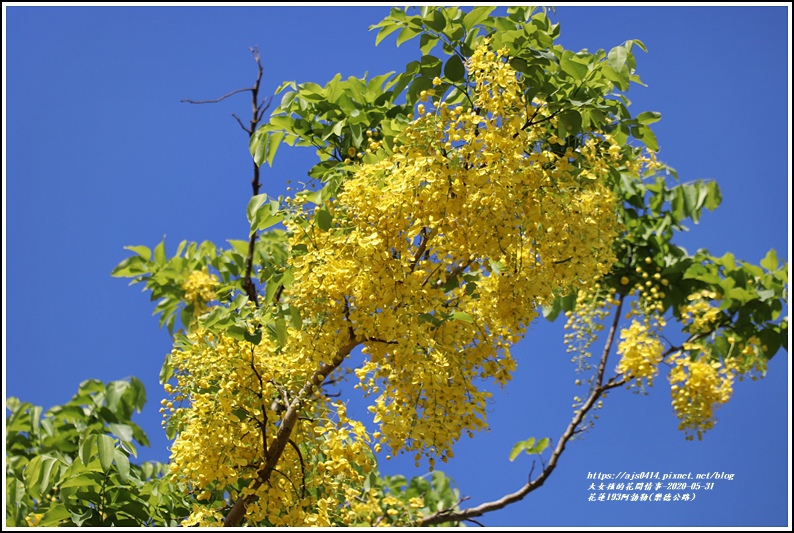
(459,201)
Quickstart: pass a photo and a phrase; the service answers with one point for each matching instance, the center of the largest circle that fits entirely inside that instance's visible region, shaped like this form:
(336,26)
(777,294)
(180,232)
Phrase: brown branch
(248,282)
(422,247)
(264,408)
(288,422)
(608,344)
(451,515)
(224,97)
(303,468)
(257,111)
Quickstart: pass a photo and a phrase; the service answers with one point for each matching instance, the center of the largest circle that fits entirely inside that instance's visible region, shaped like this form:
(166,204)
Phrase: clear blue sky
(99,153)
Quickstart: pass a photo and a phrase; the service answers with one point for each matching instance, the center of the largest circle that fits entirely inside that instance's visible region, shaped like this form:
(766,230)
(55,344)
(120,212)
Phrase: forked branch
(258,108)
(288,421)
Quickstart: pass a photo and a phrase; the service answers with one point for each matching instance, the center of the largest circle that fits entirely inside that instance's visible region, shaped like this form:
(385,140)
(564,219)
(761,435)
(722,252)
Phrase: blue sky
(99,153)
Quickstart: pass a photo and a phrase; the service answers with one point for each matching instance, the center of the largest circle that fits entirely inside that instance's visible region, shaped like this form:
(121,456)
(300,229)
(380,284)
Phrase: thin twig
(224,97)
(303,467)
(264,407)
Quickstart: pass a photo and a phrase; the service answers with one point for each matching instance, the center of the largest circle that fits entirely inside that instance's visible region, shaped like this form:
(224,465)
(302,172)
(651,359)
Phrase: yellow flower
(698,389)
(642,352)
(200,287)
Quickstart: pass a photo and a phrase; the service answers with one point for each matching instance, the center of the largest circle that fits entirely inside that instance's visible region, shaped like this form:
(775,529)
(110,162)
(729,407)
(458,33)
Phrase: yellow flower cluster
(441,253)
(698,388)
(235,390)
(641,351)
(701,315)
(701,382)
(591,308)
(200,288)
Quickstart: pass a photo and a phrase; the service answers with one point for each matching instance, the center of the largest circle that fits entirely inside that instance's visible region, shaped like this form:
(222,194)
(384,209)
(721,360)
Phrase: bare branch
(258,109)
(222,98)
(240,122)
(608,344)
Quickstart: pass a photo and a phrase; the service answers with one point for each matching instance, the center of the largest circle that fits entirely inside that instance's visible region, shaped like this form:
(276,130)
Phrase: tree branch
(450,515)
(288,422)
(224,97)
(258,109)
(422,247)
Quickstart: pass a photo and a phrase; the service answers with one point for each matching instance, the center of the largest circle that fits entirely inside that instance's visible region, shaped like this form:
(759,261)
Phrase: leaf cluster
(70,465)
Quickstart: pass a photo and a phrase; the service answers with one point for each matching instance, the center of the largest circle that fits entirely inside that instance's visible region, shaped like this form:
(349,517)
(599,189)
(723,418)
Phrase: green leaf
(520,447)
(427,42)
(54,516)
(539,446)
(47,466)
(122,431)
(560,304)
(85,479)
(460,315)
(273,141)
(262,215)
(454,69)
(648,117)
(324,219)
(86,450)
(408,33)
(496,266)
(437,22)
(529,446)
(571,65)
(167,370)
(476,15)
(647,136)
(713,196)
(241,247)
(295,318)
(617,57)
(33,475)
(254,204)
(105,447)
(281,331)
(159,253)
(728,261)
(770,262)
(619,78)
(123,464)
(80,519)
(253,338)
(384,32)
(570,123)
(142,251)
